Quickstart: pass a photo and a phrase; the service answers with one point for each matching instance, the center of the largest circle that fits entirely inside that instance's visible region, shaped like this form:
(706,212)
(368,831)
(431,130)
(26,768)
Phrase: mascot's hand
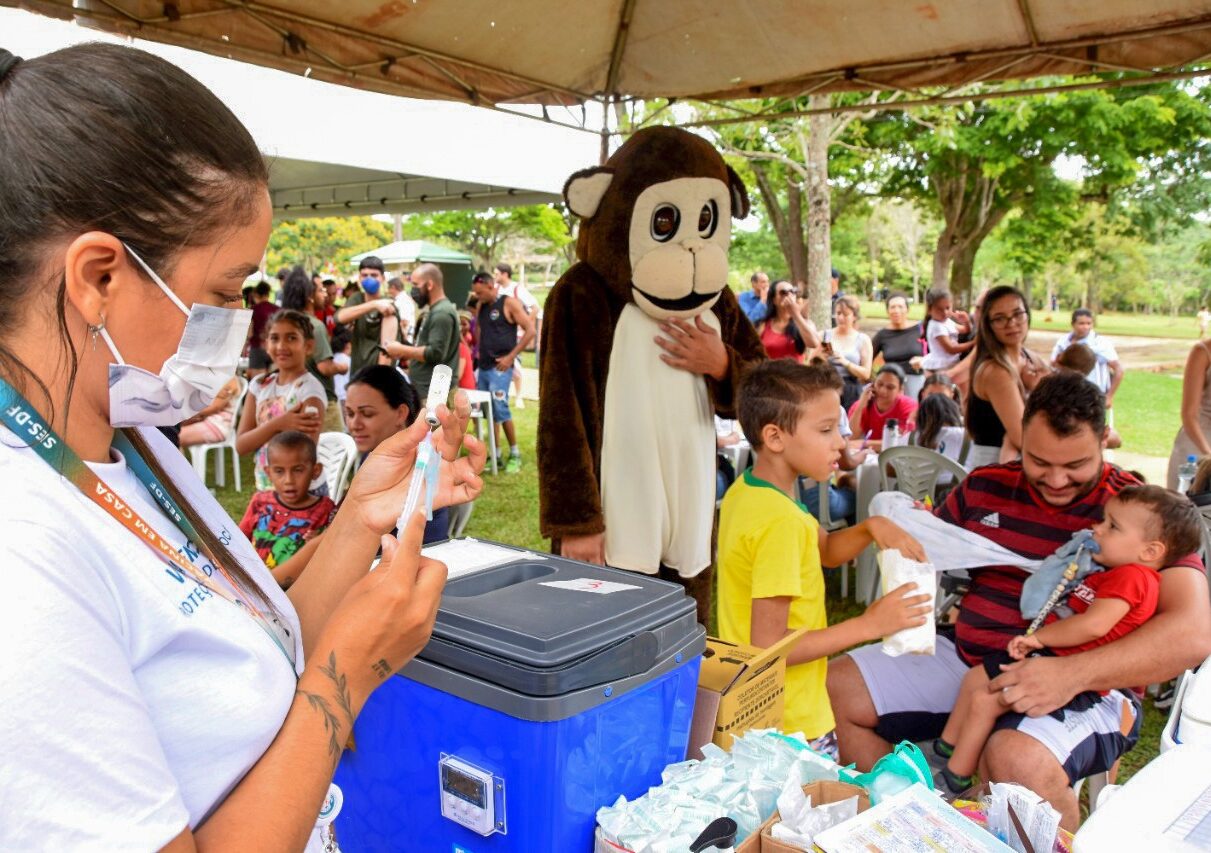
(587,549)
(694,347)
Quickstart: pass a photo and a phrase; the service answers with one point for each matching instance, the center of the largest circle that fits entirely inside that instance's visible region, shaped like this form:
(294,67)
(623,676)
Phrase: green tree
(316,242)
(484,233)
(976,163)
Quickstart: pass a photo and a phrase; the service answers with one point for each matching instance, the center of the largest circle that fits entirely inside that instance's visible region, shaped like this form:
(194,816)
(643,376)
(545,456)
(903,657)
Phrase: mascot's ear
(740,205)
(584,190)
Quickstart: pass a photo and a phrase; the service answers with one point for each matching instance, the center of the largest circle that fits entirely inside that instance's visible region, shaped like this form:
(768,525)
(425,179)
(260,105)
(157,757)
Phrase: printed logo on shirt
(993,519)
(1084,593)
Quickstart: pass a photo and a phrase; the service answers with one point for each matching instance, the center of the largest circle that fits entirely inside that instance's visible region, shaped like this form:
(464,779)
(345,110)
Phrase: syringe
(426,470)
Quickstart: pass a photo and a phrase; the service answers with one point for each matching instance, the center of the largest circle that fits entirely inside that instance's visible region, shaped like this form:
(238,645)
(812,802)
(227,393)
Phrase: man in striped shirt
(1031,507)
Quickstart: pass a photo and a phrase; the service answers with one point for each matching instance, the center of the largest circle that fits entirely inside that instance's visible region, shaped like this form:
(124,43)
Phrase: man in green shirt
(437,338)
(371,316)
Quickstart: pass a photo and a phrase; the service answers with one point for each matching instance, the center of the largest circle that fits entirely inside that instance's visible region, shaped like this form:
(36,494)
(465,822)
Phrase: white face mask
(205,360)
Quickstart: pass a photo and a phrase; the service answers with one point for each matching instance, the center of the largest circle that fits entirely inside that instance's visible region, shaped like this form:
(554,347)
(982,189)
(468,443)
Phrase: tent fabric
(555,52)
(415,251)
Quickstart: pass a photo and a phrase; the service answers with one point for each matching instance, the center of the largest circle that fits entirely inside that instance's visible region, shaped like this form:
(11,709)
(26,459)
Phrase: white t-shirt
(938,358)
(1102,348)
(133,703)
(341,380)
(518,290)
(274,399)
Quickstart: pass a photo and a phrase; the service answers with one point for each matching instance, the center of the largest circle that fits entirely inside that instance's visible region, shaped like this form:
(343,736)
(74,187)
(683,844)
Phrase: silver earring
(96,330)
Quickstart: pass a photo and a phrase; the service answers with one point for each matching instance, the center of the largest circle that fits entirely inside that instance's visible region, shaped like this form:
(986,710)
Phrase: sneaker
(1165,696)
(943,748)
(513,466)
(957,784)
(520,402)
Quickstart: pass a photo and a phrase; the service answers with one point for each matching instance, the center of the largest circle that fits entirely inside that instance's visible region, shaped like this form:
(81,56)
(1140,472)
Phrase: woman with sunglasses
(1002,373)
(786,332)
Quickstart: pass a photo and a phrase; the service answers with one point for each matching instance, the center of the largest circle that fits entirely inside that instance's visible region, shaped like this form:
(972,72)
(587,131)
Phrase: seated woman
(1002,373)
(940,383)
(883,400)
(848,350)
(212,424)
(940,428)
(786,332)
(379,402)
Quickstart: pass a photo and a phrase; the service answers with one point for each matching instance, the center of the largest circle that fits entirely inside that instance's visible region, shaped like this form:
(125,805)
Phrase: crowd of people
(1045,708)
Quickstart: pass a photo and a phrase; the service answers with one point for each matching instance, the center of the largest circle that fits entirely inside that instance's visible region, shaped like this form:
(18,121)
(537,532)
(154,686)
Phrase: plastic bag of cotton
(743,784)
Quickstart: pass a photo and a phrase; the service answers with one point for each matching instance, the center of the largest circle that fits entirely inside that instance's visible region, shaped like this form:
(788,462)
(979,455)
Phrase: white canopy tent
(339,151)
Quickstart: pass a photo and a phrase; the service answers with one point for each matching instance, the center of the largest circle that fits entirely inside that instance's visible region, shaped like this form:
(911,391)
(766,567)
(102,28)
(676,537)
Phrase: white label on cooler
(590,585)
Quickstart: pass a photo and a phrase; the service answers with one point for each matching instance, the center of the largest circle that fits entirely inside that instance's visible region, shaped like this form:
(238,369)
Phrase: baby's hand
(1022,645)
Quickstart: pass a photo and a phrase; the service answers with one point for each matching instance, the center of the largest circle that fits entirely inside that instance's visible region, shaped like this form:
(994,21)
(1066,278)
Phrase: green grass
(1147,411)
(507,511)
(1108,322)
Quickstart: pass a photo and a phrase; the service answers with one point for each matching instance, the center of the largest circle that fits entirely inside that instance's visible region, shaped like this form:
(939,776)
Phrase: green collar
(753,480)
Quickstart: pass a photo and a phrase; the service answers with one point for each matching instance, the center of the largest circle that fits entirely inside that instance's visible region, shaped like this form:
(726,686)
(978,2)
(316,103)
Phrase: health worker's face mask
(205,360)
(371,285)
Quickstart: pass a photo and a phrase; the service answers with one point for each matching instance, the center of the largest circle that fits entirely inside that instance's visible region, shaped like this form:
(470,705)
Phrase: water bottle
(1185,474)
(891,433)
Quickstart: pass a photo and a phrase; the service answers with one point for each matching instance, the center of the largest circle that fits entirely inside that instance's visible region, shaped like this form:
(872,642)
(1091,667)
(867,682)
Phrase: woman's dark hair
(387,381)
(942,381)
(896,294)
(298,290)
(771,311)
(110,138)
(298,319)
(895,370)
(936,411)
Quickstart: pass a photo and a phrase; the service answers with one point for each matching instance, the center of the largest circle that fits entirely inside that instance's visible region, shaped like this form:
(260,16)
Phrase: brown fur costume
(582,315)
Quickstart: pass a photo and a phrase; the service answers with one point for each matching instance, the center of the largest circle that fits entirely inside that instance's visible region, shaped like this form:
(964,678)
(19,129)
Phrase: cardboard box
(739,688)
(822,793)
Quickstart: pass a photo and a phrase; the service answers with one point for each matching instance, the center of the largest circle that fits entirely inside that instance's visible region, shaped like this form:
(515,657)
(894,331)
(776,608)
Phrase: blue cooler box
(549,688)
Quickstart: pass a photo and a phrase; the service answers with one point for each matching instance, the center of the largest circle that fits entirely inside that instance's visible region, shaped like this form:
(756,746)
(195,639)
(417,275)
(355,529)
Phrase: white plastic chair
(824,518)
(460,514)
(199,452)
(481,410)
(337,452)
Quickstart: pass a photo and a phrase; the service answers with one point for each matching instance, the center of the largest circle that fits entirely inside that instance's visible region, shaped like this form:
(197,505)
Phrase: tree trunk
(942,256)
(797,253)
(819,254)
(960,270)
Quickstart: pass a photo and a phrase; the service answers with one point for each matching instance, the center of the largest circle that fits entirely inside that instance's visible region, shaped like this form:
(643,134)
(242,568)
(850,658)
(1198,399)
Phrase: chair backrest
(917,470)
(338,454)
(238,400)
(460,514)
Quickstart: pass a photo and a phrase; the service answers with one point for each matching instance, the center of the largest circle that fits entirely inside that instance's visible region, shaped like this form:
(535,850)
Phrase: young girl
(942,332)
(286,398)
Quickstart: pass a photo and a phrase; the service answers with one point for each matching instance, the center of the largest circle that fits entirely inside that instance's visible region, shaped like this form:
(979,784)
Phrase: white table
(481,408)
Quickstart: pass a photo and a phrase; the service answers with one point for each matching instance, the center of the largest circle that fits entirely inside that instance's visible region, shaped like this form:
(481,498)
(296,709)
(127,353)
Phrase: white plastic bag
(897,570)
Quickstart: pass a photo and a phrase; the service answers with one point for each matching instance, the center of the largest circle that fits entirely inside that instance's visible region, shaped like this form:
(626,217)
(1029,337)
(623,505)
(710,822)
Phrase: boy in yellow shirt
(771,549)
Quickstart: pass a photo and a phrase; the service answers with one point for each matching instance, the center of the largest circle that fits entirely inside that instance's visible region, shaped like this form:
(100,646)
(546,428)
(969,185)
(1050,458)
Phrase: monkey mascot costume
(642,342)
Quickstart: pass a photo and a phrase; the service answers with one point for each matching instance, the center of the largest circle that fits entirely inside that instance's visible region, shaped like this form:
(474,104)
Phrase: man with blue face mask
(371,316)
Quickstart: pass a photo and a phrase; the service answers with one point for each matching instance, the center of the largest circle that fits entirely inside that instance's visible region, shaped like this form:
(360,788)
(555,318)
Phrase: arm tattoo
(332,723)
(382,669)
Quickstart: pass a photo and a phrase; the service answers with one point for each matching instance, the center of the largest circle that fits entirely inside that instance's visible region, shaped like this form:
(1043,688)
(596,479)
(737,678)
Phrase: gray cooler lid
(511,626)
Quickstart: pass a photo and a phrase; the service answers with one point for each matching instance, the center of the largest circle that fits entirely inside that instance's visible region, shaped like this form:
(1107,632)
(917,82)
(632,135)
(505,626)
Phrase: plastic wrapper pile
(743,784)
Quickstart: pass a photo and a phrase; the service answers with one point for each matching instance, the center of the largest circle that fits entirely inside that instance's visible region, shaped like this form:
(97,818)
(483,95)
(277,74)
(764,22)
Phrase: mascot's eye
(665,220)
(707,218)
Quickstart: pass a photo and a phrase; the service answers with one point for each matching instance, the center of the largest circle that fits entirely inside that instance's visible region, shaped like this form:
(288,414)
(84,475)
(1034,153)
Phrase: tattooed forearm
(332,722)
(382,669)
(341,685)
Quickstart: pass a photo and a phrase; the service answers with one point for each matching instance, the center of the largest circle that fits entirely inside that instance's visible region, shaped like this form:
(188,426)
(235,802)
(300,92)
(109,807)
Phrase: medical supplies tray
(545,626)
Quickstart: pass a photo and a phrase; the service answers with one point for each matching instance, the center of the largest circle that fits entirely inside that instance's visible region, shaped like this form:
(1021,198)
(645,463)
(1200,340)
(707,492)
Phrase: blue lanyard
(23,421)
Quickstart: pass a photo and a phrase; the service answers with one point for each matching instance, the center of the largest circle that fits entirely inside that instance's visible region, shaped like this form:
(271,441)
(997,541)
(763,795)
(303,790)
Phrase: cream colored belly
(657,456)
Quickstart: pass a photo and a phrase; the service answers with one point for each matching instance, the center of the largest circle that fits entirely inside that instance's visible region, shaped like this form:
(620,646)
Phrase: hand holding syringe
(427,469)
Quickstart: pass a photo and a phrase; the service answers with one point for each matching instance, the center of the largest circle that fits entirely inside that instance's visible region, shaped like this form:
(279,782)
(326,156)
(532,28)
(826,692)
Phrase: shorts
(497,382)
(914,695)
(1080,702)
(258,359)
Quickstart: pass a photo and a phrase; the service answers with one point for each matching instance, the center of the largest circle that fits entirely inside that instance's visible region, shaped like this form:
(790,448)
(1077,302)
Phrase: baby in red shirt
(1143,529)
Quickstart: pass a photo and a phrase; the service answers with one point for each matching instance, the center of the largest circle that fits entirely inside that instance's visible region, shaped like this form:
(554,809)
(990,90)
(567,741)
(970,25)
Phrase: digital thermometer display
(466,787)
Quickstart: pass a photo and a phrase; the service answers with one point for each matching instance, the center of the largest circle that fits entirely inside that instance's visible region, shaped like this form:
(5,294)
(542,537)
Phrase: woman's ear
(95,267)
(402,414)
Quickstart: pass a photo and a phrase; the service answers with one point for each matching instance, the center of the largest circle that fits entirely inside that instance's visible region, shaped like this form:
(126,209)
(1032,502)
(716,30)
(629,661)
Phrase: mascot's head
(656,220)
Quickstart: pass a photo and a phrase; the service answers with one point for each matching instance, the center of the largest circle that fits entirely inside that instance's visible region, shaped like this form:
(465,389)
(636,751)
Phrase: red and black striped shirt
(997,503)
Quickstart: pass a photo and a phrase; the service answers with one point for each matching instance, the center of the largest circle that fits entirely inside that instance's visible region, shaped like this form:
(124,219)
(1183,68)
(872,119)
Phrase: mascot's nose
(693,244)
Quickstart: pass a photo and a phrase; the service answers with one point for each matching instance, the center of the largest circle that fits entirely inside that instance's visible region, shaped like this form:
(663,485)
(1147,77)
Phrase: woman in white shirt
(160,691)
